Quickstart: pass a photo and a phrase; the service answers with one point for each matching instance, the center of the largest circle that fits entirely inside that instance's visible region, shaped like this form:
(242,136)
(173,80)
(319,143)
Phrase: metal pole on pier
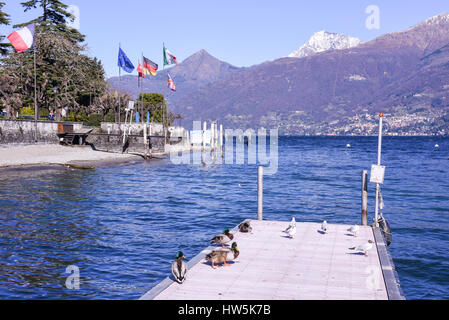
(379,160)
(365,198)
(260,194)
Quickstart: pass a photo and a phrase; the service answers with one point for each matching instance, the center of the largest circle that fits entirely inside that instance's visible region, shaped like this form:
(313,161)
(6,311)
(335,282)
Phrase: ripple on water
(123,225)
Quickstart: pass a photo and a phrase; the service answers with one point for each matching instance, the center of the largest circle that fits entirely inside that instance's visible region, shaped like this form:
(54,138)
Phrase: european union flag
(124,62)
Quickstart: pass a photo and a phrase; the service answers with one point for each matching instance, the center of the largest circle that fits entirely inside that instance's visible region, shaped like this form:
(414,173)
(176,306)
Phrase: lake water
(122,226)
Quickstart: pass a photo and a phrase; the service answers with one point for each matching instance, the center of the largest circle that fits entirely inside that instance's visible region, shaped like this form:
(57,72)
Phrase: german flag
(149,67)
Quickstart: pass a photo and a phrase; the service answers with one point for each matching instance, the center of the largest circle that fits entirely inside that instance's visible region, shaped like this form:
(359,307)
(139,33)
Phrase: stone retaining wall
(22,131)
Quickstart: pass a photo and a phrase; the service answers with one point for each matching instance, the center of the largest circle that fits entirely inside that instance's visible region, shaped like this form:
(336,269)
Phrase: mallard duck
(354,230)
(223,238)
(223,255)
(245,227)
(364,247)
(179,268)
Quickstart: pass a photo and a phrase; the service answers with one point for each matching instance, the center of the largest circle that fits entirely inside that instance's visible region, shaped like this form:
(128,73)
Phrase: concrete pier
(312,266)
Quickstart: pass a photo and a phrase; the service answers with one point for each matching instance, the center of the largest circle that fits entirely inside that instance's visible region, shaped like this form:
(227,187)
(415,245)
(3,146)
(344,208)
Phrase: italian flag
(22,39)
(169,58)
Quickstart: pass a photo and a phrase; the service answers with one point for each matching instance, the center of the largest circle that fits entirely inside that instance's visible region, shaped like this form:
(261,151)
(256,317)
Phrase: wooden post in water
(260,194)
(365,198)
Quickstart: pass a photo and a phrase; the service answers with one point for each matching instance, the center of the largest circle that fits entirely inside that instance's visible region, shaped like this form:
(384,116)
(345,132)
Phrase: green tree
(4,20)
(11,96)
(109,103)
(154,103)
(54,16)
(64,74)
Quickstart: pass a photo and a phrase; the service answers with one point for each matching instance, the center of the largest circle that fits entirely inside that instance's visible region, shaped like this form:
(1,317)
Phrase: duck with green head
(223,255)
(223,238)
(179,268)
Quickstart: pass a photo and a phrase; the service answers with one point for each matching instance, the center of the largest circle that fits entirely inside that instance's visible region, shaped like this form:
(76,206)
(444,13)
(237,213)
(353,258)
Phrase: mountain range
(329,80)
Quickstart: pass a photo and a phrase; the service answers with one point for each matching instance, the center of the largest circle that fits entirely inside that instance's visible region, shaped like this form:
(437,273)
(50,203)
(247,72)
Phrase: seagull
(179,268)
(364,247)
(291,225)
(348,146)
(354,230)
(291,231)
(437,146)
(324,226)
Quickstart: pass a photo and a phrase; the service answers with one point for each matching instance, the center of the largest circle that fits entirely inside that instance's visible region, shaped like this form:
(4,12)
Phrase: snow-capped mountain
(325,41)
(438,19)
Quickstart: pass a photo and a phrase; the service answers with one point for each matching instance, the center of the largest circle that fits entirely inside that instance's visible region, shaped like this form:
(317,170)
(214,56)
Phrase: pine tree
(54,18)
(4,20)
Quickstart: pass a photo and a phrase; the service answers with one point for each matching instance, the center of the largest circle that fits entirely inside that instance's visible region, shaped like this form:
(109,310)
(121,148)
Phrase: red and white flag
(171,83)
(22,39)
(140,71)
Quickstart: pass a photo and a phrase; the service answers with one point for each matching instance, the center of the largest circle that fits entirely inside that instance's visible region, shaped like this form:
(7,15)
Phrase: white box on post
(377,174)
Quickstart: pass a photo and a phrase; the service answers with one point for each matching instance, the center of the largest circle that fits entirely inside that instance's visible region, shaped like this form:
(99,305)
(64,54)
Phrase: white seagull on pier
(364,247)
(291,225)
(291,232)
(354,230)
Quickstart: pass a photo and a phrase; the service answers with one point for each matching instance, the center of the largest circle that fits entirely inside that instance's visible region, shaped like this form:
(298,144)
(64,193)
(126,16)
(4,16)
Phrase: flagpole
(140,96)
(138,91)
(164,76)
(36,109)
(119,98)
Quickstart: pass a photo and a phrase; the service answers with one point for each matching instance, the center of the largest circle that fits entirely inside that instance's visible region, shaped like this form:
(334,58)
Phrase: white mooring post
(379,160)
(221,137)
(145,137)
(217,139)
(260,194)
(365,198)
(204,135)
(212,136)
(203,153)
(216,134)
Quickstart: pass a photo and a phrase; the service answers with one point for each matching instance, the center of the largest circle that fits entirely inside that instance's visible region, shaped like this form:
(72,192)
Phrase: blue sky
(241,32)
